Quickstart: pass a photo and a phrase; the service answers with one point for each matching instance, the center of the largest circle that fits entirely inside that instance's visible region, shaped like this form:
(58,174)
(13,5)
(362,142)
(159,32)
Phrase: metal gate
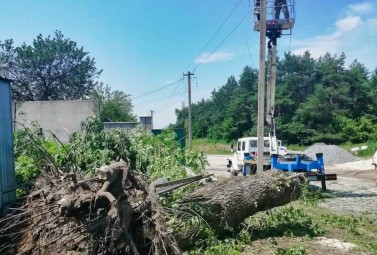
(7,173)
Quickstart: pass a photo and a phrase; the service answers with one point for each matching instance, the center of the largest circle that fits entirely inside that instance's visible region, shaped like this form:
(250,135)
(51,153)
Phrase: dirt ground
(353,193)
(315,246)
(361,169)
(217,164)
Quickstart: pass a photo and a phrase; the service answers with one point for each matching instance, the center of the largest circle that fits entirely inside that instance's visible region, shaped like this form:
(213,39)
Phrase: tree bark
(229,202)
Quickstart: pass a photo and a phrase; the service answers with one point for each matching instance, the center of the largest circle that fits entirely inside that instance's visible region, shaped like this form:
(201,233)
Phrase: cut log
(229,202)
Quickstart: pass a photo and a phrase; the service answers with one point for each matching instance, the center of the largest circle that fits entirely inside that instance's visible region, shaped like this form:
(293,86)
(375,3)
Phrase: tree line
(317,100)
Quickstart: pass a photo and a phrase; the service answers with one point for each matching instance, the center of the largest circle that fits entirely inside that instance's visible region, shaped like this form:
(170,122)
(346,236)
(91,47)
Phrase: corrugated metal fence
(7,174)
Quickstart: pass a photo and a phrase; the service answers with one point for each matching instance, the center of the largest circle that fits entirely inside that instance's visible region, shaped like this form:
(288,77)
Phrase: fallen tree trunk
(118,213)
(229,202)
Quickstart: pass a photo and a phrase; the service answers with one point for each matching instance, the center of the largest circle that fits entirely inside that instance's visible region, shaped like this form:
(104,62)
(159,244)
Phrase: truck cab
(250,145)
(247,148)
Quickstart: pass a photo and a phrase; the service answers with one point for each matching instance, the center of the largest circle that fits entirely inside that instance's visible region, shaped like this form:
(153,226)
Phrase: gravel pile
(332,154)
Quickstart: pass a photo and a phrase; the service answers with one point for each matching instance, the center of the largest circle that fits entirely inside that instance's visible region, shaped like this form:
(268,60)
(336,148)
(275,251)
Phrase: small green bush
(310,196)
(297,250)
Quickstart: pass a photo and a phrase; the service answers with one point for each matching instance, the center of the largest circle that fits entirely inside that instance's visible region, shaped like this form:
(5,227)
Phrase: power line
(162,98)
(231,32)
(172,98)
(226,19)
(213,36)
(153,91)
(248,48)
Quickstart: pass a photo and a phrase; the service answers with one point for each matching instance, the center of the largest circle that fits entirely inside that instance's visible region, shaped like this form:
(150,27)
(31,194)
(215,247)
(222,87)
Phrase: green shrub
(218,247)
(373,247)
(156,156)
(327,139)
(297,250)
(310,196)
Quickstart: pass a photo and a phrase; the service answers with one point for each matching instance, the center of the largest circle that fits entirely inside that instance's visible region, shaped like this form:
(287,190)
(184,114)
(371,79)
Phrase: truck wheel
(253,169)
(233,172)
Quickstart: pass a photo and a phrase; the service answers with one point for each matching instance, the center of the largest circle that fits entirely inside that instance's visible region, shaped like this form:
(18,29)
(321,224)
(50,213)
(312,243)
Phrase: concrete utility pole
(189,108)
(152,117)
(261,85)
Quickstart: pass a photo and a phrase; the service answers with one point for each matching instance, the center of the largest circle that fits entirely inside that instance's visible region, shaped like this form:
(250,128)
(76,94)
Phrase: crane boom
(271,85)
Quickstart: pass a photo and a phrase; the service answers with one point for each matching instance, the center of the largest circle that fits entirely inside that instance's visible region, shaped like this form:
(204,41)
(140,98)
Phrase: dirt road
(217,164)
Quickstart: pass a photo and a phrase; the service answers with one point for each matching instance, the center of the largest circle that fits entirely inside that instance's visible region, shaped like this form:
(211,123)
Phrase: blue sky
(144,45)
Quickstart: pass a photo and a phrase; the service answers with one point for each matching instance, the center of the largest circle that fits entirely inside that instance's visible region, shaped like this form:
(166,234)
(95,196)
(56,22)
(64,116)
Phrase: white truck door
(241,147)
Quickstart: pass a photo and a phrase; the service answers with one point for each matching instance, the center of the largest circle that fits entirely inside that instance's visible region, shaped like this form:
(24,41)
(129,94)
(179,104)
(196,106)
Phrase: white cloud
(353,34)
(215,57)
(347,24)
(332,42)
(361,8)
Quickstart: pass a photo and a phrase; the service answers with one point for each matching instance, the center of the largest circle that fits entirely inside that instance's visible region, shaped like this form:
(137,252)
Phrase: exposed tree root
(115,213)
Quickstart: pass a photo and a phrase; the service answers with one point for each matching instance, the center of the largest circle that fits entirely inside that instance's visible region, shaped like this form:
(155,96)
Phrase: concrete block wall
(60,117)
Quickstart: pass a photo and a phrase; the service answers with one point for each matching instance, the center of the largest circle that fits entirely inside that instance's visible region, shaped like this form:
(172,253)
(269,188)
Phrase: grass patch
(373,248)
(360,230)
(283,221)
(209,146)
(280,227)
(296,250)
(372,148)
(217,247)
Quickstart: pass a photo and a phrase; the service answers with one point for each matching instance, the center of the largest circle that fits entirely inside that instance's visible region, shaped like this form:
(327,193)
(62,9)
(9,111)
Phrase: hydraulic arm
(271,85)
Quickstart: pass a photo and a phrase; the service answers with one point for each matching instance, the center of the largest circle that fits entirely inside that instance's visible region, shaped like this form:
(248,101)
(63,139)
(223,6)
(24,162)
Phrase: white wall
(60,117)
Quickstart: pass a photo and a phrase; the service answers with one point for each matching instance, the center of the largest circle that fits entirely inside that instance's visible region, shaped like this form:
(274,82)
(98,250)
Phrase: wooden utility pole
(261,85)
(189,107)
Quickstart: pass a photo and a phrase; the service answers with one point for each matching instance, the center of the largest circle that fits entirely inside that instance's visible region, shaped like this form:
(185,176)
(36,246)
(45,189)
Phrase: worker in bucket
(278,5)
(257,9)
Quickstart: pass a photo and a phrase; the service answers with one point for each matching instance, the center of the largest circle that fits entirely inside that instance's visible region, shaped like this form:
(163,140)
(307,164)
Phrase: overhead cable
(248,48)
(162,98)
(172,100)
(213,36)
(153,91)
(231,32)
